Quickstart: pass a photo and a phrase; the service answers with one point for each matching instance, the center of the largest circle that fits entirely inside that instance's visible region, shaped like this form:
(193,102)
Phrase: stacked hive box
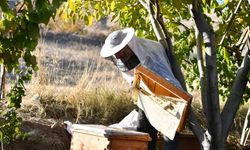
(99,137)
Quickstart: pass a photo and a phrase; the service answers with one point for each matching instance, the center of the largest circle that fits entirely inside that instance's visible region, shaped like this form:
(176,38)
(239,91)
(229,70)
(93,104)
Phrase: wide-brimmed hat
(116,41)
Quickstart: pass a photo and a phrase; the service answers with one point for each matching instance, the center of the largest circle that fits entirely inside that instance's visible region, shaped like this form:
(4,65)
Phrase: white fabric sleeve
(128,77)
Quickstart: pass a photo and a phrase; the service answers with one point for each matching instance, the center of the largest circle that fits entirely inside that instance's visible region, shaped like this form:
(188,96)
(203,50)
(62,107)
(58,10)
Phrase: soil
(42,136)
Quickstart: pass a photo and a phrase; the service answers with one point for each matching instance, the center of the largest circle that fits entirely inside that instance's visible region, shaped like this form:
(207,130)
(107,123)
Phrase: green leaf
(2,26)
(222,6)
(112,5)
(86,5)
(71,5)
(226,55)
(33,30)
(4,6)
(1,60)
(86,20)
(33,16)
(177,4)
(1,136)
(90,20)
(17,130)
(57,3)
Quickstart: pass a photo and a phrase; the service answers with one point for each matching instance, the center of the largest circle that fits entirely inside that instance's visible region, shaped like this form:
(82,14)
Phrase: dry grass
(74,83)
(101,28)
(76,78)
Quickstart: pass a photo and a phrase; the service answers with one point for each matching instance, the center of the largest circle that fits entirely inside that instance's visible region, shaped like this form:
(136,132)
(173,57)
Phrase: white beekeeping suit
(153,56)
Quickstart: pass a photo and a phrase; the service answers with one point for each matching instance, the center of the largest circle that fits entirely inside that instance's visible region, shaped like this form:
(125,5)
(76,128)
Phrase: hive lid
(101,130)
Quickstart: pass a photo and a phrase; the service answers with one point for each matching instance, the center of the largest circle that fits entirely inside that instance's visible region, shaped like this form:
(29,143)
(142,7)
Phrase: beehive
(99,137)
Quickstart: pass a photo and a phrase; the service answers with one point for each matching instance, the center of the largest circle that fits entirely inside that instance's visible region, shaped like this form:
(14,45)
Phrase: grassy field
(74,83)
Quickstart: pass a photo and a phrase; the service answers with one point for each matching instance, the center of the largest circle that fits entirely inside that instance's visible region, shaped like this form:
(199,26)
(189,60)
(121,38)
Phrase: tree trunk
(213,107)
(201,70)
(233,102)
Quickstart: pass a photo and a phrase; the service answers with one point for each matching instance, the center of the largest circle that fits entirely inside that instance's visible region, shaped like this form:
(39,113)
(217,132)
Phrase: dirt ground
(44,133)
(42,136)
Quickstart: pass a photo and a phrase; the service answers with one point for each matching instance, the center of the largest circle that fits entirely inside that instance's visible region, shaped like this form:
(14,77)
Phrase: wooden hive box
(187,141)
(99,137)
(163,98)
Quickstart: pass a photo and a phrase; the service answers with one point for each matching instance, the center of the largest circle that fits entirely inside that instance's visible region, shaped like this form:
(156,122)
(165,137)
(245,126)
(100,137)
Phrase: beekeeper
(128,51)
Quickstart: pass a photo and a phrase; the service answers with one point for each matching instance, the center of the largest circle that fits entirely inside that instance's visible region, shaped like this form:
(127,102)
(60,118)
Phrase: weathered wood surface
(99,137)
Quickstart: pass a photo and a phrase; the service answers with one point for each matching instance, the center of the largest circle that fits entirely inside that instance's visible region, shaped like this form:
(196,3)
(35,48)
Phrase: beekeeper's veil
(149,53)
(117,41)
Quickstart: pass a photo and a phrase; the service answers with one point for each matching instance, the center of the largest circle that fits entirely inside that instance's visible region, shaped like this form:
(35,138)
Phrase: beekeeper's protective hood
(150,53)
(153,56)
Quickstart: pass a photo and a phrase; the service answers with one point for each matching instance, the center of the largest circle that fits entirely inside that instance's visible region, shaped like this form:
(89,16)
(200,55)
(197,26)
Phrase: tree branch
(233,102)
(201,70)
(144,4)
(214,120)
(169,50)
(21,7)
(198,130)
(193,123)
(164,38)
(158,17)
(242,43)
(230,22)
(181,24)
(156,26)
(2,80)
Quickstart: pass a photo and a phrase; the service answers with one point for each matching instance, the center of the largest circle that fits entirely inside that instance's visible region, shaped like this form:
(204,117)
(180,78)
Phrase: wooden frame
(159,87)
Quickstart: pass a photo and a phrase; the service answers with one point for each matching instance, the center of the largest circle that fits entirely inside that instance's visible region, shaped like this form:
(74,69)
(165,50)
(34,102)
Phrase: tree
(19,34)
(218,70)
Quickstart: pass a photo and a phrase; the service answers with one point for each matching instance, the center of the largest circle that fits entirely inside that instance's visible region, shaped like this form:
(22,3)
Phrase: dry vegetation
(74,83)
